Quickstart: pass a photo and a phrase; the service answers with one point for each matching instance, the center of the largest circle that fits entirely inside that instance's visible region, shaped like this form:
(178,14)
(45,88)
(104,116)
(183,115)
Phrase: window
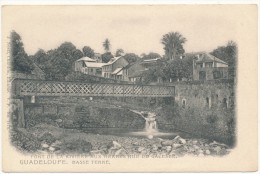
(202,75)
(91,69)
(217,74)
(224,103)
(200,65)
(183,103)
(99,71)
(207,102)
(83,64)
(209,64)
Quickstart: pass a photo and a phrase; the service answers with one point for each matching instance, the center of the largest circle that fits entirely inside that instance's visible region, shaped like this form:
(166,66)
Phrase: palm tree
(106,45)
(173,44)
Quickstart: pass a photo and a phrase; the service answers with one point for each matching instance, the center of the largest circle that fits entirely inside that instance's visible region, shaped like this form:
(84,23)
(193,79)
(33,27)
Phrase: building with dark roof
(208,67)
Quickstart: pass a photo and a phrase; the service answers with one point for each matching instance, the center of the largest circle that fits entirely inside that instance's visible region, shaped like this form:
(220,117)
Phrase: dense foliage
(20,61)
(119,52)
(106,57)
(228,54)
(131,57)
(57,63)
(151,55)
(88,52)
(173,44)
(106,45)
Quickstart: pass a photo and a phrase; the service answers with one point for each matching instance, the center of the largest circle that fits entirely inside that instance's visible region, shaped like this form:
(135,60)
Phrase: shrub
(48,138)
(24,142)
(76,146)
(33,120)
(212,118)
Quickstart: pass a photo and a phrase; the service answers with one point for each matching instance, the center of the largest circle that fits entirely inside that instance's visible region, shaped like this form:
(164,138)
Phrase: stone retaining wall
(206,109)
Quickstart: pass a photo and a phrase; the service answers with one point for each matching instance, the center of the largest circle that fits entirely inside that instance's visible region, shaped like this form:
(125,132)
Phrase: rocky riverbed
(44,138)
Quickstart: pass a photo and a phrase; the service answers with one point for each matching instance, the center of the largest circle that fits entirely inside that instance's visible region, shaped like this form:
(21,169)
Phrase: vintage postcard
(129,88)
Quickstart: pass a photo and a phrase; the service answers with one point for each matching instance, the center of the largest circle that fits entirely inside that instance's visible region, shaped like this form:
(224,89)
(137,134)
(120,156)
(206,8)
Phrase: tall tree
(19,59)
(77,54)
(57,63)
(106,45)
(89,52)
(173,44)
(40,57)
(175,69)
(228,54)
(106,57)
(131,57)
(154,73)
(119,52)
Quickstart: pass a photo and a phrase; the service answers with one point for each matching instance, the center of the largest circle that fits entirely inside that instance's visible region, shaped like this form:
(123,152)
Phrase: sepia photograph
(99,87)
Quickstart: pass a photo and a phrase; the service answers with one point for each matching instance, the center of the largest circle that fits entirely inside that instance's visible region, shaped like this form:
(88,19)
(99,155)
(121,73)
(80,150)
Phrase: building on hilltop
(89,66)
(113,68)
(148,63)
(136,71)
(208,67)
(127,71)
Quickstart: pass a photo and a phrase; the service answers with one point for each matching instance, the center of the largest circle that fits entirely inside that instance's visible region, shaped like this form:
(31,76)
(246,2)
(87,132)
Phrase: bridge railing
(22,87)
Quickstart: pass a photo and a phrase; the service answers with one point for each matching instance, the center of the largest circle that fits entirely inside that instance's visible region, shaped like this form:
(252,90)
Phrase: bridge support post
(20,121)
(33,99)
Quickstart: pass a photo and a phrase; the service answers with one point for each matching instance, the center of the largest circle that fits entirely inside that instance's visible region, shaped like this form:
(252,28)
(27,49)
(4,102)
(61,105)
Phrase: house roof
(130,64)
(86,59)
(205,57)
(94,64)
(151,60)
(114,59)
(138,73)
(117,71)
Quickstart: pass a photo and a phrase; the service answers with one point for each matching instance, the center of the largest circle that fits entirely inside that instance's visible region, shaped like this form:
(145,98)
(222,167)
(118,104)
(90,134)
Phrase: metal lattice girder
(78,88)
(128,90)
(137,90)
(108,89)
(28,87)
(59,88)
(97,89)
(118,89)
(44,88)
(52,88)
(147,90)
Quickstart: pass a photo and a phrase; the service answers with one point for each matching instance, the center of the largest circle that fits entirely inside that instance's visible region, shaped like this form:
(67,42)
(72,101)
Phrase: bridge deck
(56,88)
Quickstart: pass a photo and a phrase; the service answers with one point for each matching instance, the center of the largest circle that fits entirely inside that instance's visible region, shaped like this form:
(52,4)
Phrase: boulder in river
(167,143)
(52,149)
(207,152)
(44,145)
(140,149)
(168,148)
(114,145)
(178,139)
(154,147)
(176,145)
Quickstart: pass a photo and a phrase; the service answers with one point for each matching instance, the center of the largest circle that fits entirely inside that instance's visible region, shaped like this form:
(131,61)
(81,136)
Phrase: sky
(137,29)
